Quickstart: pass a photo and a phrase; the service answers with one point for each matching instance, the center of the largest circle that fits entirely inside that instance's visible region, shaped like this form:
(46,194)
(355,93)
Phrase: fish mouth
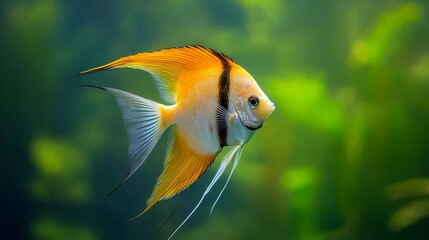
(252,128)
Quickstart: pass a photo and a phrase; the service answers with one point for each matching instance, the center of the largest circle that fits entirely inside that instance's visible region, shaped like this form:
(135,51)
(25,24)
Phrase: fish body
(212,103)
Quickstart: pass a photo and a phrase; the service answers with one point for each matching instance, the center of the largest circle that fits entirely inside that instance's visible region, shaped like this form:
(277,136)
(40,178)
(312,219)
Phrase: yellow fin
(182,167)
(175,69)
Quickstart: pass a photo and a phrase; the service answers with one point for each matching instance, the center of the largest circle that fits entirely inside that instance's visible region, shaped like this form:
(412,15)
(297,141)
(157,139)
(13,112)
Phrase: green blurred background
(345,155)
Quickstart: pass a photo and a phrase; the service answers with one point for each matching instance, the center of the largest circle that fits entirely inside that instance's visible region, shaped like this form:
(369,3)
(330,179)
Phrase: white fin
(142,121)
(236,160)
(225,162)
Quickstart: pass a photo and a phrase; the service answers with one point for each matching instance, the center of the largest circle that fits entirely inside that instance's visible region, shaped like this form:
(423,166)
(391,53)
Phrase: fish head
(252,105)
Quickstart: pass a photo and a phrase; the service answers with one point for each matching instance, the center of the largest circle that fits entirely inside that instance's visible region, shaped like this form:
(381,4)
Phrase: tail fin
(142,119)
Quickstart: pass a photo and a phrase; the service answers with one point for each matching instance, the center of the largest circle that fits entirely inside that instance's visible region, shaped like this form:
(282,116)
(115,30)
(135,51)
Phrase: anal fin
(182,167)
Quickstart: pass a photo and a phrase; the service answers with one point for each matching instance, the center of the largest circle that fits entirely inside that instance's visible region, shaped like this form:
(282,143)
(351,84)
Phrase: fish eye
(253,102)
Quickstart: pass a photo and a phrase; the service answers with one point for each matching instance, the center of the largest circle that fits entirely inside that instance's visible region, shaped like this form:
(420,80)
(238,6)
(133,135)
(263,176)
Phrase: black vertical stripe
(223,99)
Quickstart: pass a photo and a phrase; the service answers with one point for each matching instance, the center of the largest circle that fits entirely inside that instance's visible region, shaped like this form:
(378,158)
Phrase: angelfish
(213,103)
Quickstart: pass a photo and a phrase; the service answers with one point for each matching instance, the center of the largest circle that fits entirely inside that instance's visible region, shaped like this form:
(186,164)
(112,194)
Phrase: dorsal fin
(174,69)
